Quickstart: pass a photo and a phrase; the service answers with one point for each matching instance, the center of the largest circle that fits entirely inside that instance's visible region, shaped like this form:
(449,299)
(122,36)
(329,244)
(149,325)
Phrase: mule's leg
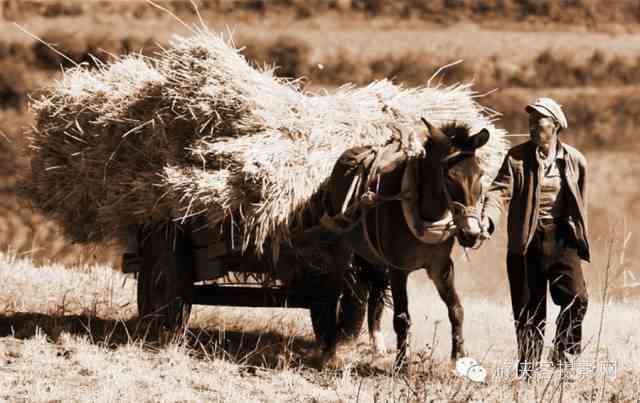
(401,318)
(334,285)
(377,281)
(442,275)
(377,286)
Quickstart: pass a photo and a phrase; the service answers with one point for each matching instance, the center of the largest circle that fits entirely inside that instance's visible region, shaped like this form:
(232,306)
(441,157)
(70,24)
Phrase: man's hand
(486,225)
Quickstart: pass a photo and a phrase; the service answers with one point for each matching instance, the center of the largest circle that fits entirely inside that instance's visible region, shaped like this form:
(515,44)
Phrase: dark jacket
(517,185)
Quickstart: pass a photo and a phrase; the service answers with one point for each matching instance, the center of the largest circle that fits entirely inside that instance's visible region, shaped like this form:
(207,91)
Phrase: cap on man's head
(550,108)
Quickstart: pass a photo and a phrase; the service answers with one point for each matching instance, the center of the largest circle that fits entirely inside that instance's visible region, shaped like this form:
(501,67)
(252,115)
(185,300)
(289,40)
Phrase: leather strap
(429,232)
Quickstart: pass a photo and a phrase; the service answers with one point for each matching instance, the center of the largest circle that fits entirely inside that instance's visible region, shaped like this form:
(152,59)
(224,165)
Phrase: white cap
(550,108)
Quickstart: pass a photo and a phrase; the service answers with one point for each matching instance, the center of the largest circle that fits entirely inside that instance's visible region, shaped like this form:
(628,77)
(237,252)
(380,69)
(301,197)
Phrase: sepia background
(583,53)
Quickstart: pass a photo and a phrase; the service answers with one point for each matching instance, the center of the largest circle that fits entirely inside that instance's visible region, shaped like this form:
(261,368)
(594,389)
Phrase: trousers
(558,268)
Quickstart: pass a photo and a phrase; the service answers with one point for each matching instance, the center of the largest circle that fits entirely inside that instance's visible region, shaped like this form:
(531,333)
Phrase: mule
(409,233)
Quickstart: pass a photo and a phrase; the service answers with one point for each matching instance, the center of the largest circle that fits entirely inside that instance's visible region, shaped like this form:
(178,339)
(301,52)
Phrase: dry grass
(70,334)
(78,326)
(600,117)
(141,139)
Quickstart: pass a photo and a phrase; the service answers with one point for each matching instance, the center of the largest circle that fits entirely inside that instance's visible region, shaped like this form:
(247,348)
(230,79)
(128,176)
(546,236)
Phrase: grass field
(70,334)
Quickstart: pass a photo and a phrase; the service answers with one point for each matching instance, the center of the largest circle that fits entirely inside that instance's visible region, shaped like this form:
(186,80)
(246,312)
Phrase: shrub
(445,11)
(146,46)
(13,84)
(254,51)
(373,7)
(16,52)
(340,69)
(73,46)
(534,7)
(291,55)
(416,68)
(56,9)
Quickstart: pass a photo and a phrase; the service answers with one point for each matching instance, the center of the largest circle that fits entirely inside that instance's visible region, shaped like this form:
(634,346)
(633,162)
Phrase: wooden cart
(181,264)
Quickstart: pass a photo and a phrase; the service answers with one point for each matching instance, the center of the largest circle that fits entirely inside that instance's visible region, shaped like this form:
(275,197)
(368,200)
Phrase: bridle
(449,226)
(370,200)
(459,211)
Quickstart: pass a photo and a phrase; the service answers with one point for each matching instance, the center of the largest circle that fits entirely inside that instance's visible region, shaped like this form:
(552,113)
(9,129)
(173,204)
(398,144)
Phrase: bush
(72,46)
(340,69)
(57,9)
(585,12)
(553,70)
(16,52)
(81,49)
(146,46)
(416,68)
(13,142)
(548,69)
(534,7)
(291,55)
(14,84)
(373,7)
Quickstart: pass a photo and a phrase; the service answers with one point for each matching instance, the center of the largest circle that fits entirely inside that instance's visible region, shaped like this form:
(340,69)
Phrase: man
(542,184)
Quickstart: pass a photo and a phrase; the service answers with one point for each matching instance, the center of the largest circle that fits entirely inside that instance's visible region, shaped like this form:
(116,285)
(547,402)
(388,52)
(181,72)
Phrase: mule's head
(455,148)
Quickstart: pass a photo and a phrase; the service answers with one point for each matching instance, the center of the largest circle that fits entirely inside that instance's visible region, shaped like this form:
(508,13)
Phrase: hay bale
(197,130)
(327,126)
(93,146)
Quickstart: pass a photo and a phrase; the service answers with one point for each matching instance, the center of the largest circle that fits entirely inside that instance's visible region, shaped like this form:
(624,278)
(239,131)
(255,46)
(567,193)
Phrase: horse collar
(429,232)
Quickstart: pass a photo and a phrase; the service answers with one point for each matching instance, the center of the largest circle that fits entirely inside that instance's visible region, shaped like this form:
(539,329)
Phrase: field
(79,342)
(68,327)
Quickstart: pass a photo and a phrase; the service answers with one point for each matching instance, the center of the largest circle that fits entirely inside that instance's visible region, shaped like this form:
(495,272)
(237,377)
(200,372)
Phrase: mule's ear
(435,134)
(478,140)
(430,129)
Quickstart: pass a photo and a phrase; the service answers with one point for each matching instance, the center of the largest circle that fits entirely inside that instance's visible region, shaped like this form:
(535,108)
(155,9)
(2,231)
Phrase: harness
(427,232)
(460,211)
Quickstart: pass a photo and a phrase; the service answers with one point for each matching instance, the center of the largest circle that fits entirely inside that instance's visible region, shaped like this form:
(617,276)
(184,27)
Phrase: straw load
(196,130)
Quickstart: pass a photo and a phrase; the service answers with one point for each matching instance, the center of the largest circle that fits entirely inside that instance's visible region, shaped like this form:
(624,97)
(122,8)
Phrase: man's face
(542,129)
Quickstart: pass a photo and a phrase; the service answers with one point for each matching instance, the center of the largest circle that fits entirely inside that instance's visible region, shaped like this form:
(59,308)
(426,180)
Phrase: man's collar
(560,150)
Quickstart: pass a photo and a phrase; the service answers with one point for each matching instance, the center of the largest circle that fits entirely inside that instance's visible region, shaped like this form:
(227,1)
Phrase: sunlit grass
(68,333)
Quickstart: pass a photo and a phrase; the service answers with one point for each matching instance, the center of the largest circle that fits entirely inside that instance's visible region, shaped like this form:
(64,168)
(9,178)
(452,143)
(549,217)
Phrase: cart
(179,264)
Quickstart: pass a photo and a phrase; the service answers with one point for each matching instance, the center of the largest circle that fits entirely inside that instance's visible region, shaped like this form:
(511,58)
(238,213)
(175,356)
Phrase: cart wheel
(352,308)
(165,281)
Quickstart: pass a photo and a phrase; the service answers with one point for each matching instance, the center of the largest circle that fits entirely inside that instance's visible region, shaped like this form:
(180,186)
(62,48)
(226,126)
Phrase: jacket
(517,186)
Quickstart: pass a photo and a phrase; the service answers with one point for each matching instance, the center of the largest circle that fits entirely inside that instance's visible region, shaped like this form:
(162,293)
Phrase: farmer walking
(542,185)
